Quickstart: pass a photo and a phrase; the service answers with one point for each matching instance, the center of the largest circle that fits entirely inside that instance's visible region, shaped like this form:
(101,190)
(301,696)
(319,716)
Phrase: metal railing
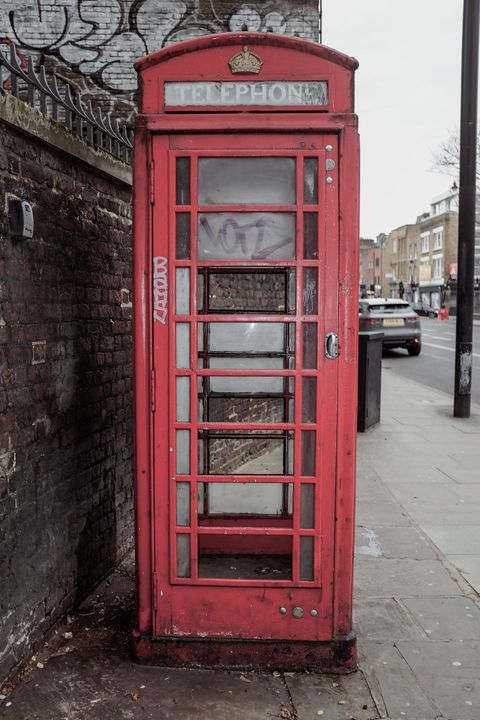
(56,99)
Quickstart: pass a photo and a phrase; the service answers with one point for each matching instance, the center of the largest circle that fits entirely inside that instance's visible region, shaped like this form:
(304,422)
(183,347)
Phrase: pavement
(416,608)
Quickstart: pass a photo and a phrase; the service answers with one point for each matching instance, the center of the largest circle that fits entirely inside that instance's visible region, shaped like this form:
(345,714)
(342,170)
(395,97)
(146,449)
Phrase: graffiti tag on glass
(253,236)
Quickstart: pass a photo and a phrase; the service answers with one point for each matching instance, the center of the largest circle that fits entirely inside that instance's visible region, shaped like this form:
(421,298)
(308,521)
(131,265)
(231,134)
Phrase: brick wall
(95,44)
(65,381)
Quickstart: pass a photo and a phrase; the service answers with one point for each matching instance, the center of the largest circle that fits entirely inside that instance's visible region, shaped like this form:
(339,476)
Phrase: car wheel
(432,315)
(415,350)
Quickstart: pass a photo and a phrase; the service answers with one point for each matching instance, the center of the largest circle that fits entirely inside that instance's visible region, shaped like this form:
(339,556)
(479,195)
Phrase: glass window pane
(242,180)
(246,410)
(201,406)
(182,181)
(307,505)
(182,236)
(306,557)
(310,186)
(308,452)
(182,291)
(248,498)
(310,235)
(183,398)
(246,453)
(183,556)
(309,399)
(246,385)
(183,452)
(309,346)
(183,504)
(246,236)
(292,290)
(182,345)
(310,291)
(201,292)
(247,291)
(247,337)
(246,363)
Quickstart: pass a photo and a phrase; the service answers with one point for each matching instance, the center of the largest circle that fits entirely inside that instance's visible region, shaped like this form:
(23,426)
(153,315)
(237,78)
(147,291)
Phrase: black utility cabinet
(369,379)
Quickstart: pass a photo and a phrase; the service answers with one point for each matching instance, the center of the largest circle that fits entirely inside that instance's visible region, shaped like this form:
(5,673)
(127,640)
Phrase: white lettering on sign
(160,289)
(302,93)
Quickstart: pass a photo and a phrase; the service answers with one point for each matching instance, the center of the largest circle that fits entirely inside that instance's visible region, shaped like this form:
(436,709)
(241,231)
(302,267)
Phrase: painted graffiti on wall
(160,289)
(96,43)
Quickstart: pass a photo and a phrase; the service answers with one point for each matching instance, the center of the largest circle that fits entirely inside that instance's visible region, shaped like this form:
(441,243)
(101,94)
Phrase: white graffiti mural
(97,42)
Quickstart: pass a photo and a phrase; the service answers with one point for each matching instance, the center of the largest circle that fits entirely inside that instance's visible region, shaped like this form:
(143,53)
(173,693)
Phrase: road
(435,366)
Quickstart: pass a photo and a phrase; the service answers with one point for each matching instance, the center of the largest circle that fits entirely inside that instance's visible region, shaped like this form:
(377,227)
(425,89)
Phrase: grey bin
(370,346)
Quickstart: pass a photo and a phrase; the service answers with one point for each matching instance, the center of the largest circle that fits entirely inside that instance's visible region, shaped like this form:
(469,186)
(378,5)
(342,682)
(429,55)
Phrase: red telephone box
(245,290)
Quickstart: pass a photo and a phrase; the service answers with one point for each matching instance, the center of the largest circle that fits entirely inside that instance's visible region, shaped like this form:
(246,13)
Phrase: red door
(245,263)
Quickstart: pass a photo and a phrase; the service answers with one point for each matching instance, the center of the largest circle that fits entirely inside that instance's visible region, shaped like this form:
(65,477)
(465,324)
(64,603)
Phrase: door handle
(331,346)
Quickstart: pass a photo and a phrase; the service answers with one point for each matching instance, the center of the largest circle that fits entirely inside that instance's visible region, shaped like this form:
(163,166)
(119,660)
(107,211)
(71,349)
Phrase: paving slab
(469,567)
(450,671)
(446,618)
(455,539)
(404,471)
(461,474)
(333,697)
(377,577)
(435,504)
(457,659)
(394,687)
(456,699)
(383,511)
(394,542)
(383,620)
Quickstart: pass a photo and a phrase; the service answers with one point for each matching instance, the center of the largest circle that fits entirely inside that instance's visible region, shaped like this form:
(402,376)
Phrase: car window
(390,307)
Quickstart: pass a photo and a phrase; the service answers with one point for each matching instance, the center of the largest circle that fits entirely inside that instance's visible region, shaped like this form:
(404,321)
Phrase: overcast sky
(407,98)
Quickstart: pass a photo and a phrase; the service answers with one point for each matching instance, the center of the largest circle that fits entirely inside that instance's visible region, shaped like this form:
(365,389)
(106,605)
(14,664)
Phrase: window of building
(377,262)
(437,267)
(395,245)
(438,238)
(425,238)
(415,251)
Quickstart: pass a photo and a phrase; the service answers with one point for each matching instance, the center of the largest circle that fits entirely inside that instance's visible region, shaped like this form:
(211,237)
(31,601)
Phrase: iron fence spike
(112,132)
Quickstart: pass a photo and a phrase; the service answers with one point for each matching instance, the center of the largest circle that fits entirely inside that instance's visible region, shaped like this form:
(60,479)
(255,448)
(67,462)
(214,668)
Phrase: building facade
(420,259)
(371,264)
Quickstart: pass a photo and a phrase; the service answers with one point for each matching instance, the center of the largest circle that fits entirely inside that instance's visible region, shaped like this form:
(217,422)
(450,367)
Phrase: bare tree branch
(446,159)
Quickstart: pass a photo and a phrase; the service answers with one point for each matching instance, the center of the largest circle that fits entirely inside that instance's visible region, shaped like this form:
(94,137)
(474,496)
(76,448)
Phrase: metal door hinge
(153,391)
(152,182)
(331,346)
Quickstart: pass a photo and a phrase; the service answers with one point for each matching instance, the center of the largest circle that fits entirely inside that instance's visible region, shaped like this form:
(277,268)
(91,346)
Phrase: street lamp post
(466,210)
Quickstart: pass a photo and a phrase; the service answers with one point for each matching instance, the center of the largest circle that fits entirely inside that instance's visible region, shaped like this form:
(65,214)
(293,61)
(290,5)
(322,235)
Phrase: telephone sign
(246,93)
(245,265)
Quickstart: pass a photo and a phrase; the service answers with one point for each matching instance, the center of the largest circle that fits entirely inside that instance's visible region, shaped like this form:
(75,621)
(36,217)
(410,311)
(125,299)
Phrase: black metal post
(466,211)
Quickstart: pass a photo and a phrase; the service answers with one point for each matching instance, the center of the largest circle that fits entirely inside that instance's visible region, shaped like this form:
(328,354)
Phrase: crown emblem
(246,62)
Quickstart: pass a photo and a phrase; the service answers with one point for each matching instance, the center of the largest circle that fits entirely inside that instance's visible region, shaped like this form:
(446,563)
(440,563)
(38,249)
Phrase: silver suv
(399,323)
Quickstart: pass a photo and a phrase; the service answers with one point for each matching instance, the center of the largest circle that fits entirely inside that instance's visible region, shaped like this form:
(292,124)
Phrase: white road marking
(442,347)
